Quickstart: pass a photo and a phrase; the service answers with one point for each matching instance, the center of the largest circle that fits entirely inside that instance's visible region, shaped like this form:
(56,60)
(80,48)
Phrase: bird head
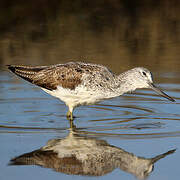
(142,78)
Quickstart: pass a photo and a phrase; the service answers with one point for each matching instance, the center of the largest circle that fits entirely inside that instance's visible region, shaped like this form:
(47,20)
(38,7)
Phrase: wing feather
(49,77)
(68,75)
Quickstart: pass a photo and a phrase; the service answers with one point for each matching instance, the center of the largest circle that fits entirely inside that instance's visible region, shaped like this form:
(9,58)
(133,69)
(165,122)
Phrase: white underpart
(94,90)
(79,96)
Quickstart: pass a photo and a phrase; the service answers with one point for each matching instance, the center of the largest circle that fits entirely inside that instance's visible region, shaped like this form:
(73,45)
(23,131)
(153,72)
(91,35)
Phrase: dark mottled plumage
(49,77)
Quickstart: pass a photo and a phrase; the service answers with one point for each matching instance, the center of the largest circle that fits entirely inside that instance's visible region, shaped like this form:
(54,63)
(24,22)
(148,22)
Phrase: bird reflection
(78,154)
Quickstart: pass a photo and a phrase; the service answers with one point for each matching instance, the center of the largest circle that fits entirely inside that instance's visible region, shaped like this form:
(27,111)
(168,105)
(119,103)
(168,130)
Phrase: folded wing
(50,77)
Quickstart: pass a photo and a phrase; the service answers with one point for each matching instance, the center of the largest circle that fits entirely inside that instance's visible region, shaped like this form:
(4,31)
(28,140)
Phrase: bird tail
(25,72)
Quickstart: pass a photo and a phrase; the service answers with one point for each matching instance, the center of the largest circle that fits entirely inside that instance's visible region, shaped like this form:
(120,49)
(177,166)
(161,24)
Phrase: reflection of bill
(80,155)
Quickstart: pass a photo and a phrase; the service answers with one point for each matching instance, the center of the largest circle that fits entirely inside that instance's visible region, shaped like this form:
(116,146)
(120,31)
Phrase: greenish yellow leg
(70,115)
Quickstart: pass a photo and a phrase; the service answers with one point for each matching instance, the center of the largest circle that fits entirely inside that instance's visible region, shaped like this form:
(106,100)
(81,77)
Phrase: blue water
(143,123)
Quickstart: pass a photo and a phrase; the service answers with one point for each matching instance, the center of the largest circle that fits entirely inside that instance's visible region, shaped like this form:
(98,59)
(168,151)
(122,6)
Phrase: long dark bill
(158,157)
(160,92)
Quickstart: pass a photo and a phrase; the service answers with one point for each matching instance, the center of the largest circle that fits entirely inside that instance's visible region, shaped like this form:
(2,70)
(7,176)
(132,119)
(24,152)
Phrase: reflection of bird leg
(83,155)
(72,126)
(155,159)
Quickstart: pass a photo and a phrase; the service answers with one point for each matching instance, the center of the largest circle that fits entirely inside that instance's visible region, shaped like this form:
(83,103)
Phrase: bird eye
(144,73)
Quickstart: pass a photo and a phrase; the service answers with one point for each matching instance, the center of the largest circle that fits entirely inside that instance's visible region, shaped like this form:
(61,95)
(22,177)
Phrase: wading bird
(78,83)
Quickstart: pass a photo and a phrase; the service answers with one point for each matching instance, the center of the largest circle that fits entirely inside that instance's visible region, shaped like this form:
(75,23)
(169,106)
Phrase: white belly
(79,96)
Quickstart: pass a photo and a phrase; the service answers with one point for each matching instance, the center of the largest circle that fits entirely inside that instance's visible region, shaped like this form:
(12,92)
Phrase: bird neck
(124,84)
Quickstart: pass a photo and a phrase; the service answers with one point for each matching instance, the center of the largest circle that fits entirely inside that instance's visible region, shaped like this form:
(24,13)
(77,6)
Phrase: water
(144,124)
(141,123)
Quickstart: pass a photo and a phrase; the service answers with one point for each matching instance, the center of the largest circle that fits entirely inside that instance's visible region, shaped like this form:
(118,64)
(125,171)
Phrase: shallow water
(141,123)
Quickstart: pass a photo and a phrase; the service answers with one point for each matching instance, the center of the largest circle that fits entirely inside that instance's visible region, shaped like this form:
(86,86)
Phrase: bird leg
(69,115)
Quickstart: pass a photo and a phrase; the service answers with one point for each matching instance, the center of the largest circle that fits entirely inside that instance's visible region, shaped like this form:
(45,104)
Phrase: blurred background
(118,33)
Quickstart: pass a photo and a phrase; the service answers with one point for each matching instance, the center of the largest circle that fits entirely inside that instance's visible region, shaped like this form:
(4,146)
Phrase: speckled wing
(68,75)
(49,77)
